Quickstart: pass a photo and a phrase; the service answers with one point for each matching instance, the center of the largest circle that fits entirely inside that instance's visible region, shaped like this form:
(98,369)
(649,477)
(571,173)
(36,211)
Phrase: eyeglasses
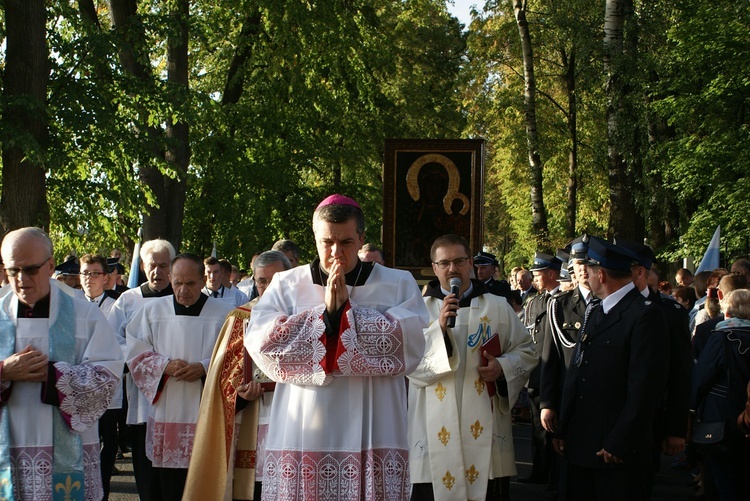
(263,282)
(92,274)
(31,271)
(459,262)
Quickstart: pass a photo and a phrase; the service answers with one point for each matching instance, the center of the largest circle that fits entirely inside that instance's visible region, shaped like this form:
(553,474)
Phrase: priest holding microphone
(477,359)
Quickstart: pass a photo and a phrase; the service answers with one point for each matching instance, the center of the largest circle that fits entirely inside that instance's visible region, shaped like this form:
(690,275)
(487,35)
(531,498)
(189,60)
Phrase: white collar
(611,301)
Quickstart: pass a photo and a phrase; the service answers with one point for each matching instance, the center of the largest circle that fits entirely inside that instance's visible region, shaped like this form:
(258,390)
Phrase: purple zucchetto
(337,199)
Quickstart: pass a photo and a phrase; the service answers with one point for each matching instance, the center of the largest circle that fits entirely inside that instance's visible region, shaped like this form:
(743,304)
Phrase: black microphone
(455,286)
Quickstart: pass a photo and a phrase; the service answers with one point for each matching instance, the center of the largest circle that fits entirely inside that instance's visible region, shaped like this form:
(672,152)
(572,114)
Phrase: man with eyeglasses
(461,395)
(59,367)
(156,257)
(94,279)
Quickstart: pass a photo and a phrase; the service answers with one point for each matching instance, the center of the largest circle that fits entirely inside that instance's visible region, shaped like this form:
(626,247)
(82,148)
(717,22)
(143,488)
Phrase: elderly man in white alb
(338,333)
(59,366)
(156,257)
(170,341)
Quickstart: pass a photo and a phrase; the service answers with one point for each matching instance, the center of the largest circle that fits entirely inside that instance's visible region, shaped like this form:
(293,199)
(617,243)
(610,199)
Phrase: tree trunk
(569,63)
(623,214)
(164,219)
(235,84)
(178,141)
(538,212)
(26,74)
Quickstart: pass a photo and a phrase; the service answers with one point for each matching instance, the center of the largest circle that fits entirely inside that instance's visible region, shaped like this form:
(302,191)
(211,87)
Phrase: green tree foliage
(494,100)
(703,98)
(286,102)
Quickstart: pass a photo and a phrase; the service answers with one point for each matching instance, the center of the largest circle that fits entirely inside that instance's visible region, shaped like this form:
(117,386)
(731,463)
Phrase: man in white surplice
(59,367)
(339,334)
(460,429)
(169,342)
(156,257)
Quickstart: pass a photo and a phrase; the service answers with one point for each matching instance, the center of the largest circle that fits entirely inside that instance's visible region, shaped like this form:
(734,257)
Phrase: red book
(491,346)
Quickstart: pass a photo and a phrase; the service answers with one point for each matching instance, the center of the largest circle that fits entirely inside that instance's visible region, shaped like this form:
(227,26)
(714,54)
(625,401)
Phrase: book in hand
(252,373)
(491,346)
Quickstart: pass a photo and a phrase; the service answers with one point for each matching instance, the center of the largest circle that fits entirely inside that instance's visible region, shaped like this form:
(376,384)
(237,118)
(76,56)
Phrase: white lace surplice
(338,433)
(155,336)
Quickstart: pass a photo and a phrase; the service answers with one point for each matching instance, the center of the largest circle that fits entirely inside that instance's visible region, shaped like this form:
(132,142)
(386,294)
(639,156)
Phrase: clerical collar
(476,289)
(194,310)
(147,291)
(358,276)
(40,309)
(467,292)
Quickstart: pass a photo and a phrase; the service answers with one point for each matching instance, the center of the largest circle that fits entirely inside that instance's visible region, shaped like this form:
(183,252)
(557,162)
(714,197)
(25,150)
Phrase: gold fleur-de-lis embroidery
(472,474)
(444,436)
(476,429)
(68,488)
(485,319)
(4,483)
(449,480)
(440,391)
(479,385)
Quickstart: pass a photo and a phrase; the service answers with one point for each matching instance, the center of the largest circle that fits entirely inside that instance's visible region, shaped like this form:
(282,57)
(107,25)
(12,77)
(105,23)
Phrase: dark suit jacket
(676,404)
(611,400)
(566,311)
(529,296)
(498,287)
(538,326)
(702,333)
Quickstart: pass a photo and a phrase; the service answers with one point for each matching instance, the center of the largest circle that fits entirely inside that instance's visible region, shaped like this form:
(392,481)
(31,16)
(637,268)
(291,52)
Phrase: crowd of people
(342,379)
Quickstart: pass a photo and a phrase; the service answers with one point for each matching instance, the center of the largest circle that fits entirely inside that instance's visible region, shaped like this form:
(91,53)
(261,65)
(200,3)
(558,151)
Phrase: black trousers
(609,483)
(108,439)
(145,481)
(171,482)
(541,441)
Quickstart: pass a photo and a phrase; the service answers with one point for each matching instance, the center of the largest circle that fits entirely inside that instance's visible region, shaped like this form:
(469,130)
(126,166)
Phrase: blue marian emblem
(483,333)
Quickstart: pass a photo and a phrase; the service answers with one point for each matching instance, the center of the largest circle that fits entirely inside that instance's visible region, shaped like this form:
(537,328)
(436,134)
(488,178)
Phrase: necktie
(215,293)
(594,313)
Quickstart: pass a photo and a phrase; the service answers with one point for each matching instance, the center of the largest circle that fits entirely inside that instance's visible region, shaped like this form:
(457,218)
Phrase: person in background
(223,446)
(371,253)
(719,396)
(156,256)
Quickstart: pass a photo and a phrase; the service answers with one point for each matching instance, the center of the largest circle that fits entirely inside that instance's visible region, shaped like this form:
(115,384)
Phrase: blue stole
(67,455)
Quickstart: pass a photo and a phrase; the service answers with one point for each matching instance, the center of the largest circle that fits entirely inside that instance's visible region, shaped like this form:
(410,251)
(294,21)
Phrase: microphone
(455,284)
